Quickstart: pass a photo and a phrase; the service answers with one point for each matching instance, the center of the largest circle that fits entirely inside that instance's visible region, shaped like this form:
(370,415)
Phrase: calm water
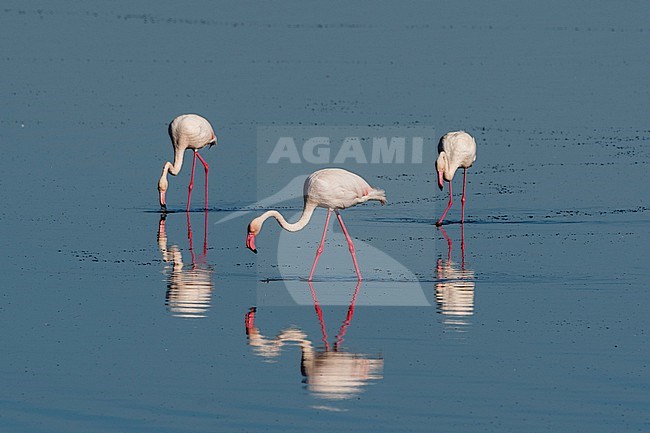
(531,317)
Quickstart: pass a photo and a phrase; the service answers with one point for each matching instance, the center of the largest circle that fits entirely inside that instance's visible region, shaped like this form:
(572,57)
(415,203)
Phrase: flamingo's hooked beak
(163,205)
(250,242)
(440,180)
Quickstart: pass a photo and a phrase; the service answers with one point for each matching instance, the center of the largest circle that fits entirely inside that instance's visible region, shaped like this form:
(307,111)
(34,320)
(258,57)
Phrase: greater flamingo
(332,189)
(187,131)
(456,150)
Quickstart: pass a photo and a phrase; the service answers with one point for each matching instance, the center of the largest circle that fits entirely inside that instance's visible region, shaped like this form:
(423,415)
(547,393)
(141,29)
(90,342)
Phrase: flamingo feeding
(333,189)
(455,150)
(187,131)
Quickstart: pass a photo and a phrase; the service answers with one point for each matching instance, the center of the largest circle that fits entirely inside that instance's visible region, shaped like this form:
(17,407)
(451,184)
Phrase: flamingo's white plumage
(187,131)
(455,150)
(331,188)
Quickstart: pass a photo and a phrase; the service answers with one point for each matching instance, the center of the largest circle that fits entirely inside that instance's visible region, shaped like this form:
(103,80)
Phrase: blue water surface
(531,316)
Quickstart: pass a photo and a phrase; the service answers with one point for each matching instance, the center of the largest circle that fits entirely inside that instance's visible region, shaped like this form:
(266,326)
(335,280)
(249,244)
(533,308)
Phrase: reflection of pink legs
(350,245)
(190,238)
(205,232)
(319,313)
(344,325)
(439,223)
(449,244)
(348,318)
(462,246)
(463,199)
(319,251)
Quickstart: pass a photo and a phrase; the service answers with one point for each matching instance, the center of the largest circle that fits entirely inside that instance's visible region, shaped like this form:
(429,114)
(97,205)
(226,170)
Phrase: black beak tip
(163,207)
(255,250)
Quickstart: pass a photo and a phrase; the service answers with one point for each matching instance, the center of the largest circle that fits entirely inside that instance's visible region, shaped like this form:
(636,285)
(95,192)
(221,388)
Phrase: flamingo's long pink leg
(350,245)
(319,251)
(463,199)
(207,168)
(191,186)
(439,223)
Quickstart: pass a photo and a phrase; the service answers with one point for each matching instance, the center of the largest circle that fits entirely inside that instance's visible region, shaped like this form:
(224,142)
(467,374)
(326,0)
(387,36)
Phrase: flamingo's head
(441,164)
(162,188)
(253,229)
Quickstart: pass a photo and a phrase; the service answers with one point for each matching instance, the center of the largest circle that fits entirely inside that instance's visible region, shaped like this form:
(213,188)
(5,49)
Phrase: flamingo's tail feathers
(377,194)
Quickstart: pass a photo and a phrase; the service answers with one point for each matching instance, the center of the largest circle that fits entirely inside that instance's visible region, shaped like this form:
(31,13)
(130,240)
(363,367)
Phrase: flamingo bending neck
(175,168)
(256,225)
(307,213)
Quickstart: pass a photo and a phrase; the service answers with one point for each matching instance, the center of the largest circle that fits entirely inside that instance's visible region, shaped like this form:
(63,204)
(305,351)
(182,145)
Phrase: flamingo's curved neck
(307,212)
(175,168)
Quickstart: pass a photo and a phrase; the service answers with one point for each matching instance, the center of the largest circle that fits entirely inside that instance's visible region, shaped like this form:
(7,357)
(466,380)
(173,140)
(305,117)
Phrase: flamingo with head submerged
(333,189)
(187,131)
(455,150)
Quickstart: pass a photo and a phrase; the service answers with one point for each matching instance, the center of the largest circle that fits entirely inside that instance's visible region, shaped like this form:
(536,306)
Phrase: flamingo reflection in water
(330,373)
(189,287)
(455,290)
